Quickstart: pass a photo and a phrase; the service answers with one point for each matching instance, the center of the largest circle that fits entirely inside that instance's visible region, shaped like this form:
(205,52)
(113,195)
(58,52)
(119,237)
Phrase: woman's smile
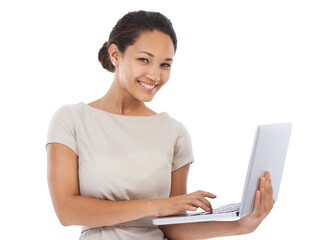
(147,86)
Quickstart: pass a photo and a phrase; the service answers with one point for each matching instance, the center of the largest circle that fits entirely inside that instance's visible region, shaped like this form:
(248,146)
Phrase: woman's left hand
(262,206)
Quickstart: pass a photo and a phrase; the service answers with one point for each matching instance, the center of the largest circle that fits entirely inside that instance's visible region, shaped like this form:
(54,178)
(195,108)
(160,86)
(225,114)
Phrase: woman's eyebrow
(151,55)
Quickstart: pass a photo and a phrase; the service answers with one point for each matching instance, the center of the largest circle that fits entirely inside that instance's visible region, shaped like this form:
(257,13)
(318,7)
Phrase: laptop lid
(268,154)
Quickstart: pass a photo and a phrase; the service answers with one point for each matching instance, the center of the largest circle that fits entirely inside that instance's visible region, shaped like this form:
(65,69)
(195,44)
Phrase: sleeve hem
(174,168)
(65,144)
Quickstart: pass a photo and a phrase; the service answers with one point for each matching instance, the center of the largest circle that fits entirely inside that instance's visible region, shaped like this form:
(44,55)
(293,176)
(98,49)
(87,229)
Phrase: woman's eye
(165,65)
(143,60)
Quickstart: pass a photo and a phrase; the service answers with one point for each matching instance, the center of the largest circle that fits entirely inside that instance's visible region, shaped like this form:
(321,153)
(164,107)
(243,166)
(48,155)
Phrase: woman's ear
(114,53)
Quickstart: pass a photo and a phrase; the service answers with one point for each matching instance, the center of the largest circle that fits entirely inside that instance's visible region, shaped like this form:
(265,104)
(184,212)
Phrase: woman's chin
(147,99)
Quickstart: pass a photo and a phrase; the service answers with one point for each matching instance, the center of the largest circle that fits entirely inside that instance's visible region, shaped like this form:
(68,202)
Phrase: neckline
(119,115)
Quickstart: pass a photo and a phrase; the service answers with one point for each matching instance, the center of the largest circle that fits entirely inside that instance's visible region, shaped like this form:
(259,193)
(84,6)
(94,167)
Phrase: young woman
(114,164)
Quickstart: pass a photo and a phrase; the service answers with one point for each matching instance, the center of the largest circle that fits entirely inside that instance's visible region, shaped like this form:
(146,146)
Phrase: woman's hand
(186,202)
(262,206)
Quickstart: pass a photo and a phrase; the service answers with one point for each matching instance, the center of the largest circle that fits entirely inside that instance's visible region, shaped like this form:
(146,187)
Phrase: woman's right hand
(186,202)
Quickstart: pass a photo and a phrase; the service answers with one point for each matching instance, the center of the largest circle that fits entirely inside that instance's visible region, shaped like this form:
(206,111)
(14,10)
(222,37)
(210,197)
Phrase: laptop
(268,154)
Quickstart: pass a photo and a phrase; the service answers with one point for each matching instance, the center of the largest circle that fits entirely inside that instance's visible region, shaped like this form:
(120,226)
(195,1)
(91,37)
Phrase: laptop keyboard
(232,207)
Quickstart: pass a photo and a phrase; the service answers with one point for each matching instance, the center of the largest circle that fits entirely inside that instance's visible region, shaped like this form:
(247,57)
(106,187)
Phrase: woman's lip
(150,84)
(147,89)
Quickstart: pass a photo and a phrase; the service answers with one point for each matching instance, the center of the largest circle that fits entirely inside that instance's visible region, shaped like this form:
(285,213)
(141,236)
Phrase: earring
(114,64)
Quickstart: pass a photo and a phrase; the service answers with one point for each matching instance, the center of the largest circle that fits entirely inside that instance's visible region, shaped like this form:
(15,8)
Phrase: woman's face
(145,66)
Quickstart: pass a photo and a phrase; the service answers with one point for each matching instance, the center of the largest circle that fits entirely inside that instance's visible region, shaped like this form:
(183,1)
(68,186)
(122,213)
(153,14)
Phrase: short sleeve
(62,128)
(183,153)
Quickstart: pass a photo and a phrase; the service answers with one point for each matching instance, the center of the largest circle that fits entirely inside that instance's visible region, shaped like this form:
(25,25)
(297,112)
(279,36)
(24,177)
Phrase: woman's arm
(203,230)
(74,209)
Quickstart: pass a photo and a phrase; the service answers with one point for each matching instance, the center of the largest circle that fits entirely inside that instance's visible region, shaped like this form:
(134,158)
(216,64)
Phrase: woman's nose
(154,74)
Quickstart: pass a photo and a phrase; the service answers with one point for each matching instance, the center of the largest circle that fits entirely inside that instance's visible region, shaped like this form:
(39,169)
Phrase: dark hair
(128,29)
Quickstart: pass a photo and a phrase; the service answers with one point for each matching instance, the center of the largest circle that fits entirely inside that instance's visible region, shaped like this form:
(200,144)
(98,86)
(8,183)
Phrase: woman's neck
(117,100)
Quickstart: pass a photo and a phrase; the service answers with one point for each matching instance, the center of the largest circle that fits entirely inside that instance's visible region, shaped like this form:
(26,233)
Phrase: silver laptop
(268,154)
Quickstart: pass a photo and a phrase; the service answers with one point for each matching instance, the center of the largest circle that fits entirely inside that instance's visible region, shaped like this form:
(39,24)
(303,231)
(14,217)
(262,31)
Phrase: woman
(114,164)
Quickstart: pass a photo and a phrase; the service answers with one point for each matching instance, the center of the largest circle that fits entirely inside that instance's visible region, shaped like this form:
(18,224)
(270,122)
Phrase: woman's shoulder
(72,107)
(68,110)
(174,122)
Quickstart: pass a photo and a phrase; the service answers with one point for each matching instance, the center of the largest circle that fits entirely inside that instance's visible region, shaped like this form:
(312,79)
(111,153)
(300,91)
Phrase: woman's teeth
(147,86)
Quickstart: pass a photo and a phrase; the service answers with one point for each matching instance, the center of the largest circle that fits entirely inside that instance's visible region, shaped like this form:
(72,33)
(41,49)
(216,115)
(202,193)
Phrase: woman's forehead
(155,43)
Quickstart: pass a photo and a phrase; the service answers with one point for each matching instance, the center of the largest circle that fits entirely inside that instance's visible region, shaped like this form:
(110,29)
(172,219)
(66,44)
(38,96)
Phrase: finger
(267,175)
(262,191)
(204,200)
(208,206)
(268,193)
(257,204)
(200,196)
(268,185)
(197,203)
(206,194)
(190,208)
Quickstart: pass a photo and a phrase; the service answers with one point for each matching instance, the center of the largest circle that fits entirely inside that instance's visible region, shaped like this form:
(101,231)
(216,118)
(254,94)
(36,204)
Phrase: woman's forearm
(200,230)
(86,211)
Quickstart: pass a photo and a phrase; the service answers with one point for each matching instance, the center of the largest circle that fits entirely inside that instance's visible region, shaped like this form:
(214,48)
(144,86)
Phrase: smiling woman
(114,164)
(145,66)
(141,65)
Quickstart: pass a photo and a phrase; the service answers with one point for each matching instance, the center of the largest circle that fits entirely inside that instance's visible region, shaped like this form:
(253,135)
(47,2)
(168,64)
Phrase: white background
(238,64)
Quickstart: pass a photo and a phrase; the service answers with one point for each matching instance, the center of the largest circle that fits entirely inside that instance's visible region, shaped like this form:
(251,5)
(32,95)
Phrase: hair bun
(104,58)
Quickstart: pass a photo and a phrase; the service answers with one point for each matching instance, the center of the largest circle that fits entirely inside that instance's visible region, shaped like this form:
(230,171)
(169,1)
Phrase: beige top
(122,158)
